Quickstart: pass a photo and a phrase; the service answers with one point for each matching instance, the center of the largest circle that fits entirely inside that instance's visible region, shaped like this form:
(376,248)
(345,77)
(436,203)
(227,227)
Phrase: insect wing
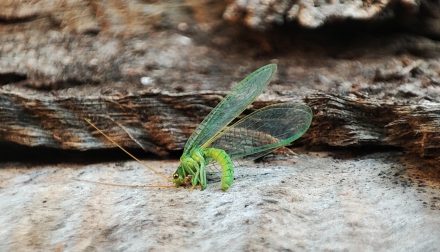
(231,106)
(265,130)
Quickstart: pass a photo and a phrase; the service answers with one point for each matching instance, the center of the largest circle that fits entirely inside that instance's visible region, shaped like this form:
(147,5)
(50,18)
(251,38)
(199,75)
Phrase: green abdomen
(223,159)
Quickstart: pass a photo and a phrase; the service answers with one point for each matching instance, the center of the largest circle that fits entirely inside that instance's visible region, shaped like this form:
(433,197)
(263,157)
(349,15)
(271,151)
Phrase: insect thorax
(193,161)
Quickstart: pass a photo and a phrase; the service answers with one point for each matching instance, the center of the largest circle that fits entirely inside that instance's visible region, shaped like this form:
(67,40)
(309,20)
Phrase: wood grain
(162,121)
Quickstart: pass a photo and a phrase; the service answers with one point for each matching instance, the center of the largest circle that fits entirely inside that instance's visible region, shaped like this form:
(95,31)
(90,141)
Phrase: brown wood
(161,121)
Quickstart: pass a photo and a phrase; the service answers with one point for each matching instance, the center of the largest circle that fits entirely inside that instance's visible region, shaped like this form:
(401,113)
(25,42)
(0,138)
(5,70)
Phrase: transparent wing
(265,130)
(231,106)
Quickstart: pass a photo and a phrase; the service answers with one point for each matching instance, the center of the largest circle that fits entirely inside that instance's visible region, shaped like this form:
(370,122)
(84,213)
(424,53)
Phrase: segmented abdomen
(225,162)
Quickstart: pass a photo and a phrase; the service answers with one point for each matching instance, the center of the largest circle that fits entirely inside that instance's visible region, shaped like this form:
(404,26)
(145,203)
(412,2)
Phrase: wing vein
(230,107)
(266,129)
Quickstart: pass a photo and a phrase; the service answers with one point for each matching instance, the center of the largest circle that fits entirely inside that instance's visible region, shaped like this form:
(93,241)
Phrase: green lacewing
(217,140)
(257,134)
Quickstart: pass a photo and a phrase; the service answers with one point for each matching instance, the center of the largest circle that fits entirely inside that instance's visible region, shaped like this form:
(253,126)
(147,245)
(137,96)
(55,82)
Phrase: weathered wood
(417,127)
(418,15)
(149,71)
(162,121)
(69,43)
(359,121)
(311,202)
(86,16)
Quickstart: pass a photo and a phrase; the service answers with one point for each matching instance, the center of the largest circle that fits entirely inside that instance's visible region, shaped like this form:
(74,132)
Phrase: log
(161,121)
(359,121)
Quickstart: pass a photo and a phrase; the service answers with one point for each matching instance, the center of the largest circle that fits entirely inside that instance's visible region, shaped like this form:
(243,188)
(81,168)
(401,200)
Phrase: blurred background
(202,45)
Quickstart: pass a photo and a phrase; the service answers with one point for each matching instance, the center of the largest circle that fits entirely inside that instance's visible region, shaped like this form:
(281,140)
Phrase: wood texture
(148,71)
(156,66)
(176,44)
(309,201)
(162,121)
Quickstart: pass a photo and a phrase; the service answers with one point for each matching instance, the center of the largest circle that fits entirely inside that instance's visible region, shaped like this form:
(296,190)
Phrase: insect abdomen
(221,157)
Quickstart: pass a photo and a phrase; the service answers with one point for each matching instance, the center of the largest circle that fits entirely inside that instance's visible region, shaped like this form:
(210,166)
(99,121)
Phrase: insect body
(193,167)
(255,135)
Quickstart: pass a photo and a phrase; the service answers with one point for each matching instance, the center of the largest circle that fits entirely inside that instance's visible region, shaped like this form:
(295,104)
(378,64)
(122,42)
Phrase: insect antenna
(123,185)
(128,133)
(124,150)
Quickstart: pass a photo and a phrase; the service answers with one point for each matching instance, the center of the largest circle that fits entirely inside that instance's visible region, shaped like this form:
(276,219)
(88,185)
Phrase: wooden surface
(308,202)
(367,173)
(162,121)
(150,76)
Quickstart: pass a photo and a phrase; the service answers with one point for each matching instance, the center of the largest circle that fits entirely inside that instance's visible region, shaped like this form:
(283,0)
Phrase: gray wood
(308,202)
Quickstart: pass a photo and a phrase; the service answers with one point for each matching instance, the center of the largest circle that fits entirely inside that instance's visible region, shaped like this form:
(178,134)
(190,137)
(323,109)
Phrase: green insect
(255,135)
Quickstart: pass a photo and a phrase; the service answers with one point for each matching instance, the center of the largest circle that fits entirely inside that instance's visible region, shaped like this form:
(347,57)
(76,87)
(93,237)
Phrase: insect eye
(175,176)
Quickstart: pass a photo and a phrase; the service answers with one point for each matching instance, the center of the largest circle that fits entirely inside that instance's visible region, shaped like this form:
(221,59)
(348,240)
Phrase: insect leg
(201,171)
(190,166)
(203,180)
(195,179)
